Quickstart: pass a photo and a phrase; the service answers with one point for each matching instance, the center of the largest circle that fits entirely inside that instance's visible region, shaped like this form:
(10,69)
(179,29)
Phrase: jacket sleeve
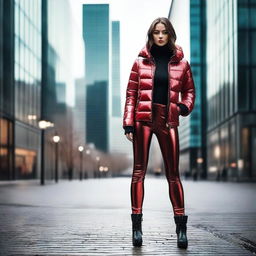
(188,93)
(131,96)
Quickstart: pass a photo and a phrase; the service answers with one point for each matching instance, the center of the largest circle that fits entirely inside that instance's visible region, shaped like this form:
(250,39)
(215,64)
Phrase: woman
(158,77)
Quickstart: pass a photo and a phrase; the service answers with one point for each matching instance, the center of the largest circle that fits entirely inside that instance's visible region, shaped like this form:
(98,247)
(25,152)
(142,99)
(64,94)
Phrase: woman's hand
(179,110)
(129,136)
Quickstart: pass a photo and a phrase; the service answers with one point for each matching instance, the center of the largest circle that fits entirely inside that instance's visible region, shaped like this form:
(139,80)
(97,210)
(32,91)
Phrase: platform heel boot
(181,230)
(136,229)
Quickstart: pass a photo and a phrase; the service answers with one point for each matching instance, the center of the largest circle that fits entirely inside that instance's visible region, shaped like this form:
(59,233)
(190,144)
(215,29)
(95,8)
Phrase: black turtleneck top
(161,55)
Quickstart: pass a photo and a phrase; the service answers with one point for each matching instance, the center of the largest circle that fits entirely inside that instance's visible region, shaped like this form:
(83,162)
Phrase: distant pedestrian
(218,175)
(224,174)
(158,76)
(187,174)
(194,174)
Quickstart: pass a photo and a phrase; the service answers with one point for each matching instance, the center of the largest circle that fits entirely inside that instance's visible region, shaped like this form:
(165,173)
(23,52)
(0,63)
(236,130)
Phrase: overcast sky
(135,17)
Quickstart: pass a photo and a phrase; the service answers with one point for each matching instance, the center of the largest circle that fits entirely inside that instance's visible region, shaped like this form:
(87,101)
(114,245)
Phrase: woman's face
(160,34)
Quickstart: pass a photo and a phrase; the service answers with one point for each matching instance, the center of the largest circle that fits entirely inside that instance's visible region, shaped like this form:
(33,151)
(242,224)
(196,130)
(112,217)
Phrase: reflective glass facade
(231,83)
(27,60)
(60,73)
(6,91)
(20,74)
(6,147)
(27,83)
(197,126)
(221,60)
(197,55)
(116,100)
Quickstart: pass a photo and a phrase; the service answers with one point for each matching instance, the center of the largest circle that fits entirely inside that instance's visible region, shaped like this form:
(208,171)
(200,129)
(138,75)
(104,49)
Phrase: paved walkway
(92,217)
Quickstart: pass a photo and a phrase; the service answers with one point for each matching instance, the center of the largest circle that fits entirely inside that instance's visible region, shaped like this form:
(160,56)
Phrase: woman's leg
(141,144)
(169,143)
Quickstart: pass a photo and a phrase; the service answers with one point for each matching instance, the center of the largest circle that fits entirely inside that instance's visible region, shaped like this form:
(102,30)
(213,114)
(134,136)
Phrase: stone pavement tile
(74,231)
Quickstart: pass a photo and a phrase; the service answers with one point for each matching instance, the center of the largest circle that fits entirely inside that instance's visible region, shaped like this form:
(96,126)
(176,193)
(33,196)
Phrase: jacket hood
(144,52)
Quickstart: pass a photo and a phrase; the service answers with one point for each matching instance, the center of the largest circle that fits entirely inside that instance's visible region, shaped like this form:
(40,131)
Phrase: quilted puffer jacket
(139,92)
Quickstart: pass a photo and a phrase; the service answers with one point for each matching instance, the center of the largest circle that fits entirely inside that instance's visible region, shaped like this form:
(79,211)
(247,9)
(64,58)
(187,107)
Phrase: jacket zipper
(154,71)
(168,101)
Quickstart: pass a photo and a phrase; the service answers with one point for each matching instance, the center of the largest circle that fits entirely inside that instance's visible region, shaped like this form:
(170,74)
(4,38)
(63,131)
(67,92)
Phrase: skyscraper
(116,100)
(79,112)
(96,101)
(190,129)
(198,156)
(115,142)
(231,89)
(96,32)
(33,61)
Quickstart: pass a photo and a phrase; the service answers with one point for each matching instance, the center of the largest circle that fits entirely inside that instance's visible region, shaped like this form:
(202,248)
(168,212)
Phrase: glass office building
(231,89)
(35,59)
(96,33)
(20,62)
(192,128)
(20,72)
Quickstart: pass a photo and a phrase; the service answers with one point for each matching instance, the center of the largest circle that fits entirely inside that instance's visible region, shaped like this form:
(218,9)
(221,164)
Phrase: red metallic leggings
(168,139)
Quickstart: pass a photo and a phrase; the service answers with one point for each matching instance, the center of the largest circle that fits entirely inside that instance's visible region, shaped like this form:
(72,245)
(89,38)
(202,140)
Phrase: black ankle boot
(181,229)
(136,229)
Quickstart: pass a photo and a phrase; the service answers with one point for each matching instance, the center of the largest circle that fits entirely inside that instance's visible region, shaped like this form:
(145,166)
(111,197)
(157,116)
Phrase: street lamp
(105,171)
(56,140)
(81,149)
(88,152)
(199,160)
(102,171)
(43,125)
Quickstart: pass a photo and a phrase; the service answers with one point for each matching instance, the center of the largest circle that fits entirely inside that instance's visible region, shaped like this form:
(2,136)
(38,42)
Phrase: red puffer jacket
(139,92)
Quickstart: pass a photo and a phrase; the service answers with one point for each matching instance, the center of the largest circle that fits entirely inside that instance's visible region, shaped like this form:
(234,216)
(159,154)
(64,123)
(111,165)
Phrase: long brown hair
(171,33)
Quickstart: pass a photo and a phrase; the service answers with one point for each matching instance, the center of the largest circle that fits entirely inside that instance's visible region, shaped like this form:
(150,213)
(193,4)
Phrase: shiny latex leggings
(168,139)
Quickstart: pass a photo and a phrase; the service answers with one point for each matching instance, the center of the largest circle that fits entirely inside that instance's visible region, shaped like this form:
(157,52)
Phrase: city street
(92,217)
